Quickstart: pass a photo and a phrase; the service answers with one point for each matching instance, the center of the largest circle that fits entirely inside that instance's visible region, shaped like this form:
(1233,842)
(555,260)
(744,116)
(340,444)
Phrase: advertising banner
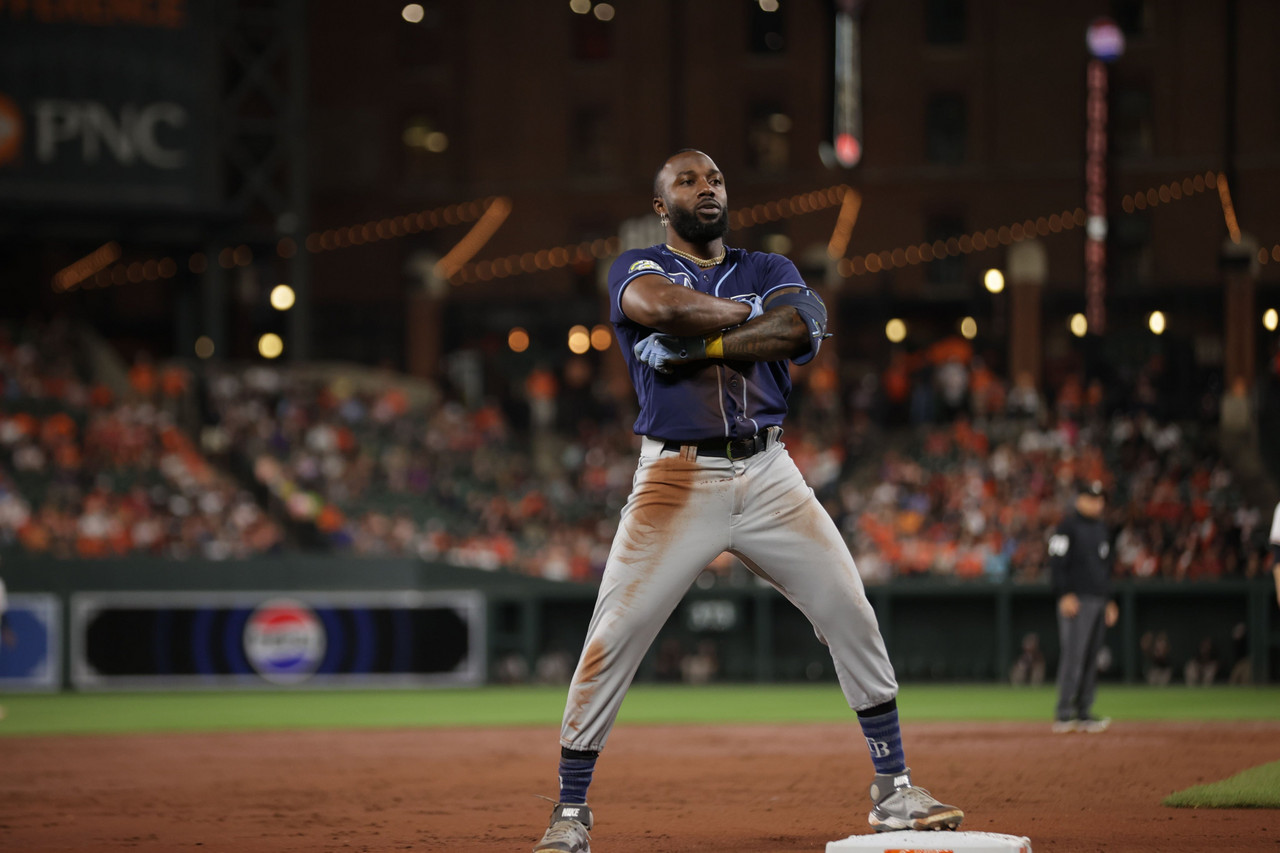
(288,639)
(108,106)
(31,649)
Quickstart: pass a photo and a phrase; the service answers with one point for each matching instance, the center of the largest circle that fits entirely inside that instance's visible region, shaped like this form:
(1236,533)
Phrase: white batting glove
(664,352)
(756,303)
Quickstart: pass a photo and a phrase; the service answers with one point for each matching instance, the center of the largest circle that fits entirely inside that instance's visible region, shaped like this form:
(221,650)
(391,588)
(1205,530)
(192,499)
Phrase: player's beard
(698,231)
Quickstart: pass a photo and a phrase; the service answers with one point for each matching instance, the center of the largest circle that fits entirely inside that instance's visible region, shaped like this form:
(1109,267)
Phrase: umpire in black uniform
(1080,577)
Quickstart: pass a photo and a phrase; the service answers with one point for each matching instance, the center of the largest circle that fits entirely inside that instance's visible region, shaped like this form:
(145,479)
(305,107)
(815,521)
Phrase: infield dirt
(658,789)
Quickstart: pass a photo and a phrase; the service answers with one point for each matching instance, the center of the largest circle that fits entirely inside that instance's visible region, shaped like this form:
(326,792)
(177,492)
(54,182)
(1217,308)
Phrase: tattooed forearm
(776,335)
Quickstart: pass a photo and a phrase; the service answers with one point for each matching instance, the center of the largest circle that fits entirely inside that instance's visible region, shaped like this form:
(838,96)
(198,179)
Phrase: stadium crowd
(88,473)
(934,468)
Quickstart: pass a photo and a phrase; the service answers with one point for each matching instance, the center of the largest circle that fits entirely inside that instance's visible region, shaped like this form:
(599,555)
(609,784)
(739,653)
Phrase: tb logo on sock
(879,748)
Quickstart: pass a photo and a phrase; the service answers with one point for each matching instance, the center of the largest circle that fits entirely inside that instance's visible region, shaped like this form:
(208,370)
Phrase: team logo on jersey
(284,641)
(645,265)
(682,278)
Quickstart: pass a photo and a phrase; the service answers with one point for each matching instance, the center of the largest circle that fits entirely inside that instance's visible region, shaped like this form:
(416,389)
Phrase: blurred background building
(345,149)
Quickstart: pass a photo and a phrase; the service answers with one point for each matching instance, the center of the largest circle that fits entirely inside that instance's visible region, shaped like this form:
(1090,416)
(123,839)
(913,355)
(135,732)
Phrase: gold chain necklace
(702,262)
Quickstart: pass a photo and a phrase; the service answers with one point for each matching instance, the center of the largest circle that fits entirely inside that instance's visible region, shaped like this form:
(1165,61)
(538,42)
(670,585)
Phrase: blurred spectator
(896,382)
(701,666)
(142,376)
(1202,669)
(667,665)
(1242,668)
(986,391)
(1236,411)
(554,667)
(1024,400)
(1155,656)
(1029,667)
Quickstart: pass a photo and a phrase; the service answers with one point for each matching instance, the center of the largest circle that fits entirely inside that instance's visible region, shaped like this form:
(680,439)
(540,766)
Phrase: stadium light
(270,345)
(517,340)
(993,280)
(413,13)
(1079,325)
(282,297)
(895,330)
(204,347)
(579,340)
(601,337)
(1271,320)
(846,141)
(1156,322)
(969,328)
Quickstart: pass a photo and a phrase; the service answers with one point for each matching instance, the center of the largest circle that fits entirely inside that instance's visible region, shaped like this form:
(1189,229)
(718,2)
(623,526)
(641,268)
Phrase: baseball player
(707,332)
(1080,577)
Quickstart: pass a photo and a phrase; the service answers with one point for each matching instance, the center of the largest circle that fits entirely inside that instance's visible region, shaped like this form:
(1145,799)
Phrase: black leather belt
(728,448)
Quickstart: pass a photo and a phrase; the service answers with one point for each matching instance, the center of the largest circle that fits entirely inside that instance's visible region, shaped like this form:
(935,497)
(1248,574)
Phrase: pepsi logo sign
(284,641)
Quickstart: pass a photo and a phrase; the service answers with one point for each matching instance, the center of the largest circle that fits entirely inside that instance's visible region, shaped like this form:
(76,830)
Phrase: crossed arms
(694,326)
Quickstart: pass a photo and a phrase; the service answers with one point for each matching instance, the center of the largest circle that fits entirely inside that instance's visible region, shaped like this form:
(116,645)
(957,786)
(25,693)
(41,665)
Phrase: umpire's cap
(1091,487)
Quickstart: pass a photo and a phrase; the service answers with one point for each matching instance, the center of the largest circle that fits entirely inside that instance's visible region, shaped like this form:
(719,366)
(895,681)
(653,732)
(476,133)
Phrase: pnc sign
(87,132)
(109,106)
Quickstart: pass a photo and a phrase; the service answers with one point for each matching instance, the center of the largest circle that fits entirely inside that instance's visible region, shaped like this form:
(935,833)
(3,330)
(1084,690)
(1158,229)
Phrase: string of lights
(589,251)
(230,257)
(850,205)
(394,226)
(1267,255)
(488,224)
(99,259)
(461,270)
(1016,232)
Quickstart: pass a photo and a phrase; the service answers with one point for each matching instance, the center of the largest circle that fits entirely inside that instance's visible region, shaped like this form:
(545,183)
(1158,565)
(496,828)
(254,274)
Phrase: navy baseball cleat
(567,830)
(900,805)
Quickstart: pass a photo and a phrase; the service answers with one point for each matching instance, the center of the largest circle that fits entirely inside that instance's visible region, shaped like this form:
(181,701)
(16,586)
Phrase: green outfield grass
(81,713)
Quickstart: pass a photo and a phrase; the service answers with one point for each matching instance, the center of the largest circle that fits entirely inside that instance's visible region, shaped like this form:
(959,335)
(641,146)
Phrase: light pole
(1106,44)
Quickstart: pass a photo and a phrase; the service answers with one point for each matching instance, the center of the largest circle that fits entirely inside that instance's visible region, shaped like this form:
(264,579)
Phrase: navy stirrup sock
(884,738)
(576,769)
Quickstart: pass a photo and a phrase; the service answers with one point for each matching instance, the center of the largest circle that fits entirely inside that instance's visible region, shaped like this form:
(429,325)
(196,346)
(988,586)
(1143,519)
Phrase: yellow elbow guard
(715,346)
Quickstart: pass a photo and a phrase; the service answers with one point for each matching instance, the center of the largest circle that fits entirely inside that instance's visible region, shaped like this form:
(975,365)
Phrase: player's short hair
(657,190)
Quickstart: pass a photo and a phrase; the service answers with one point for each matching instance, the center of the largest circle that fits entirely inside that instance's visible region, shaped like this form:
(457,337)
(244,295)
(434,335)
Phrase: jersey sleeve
(629,266)
(780,272)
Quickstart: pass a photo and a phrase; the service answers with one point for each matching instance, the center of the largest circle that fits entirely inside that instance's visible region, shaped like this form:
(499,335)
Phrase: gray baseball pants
(1080,638)
(683,511)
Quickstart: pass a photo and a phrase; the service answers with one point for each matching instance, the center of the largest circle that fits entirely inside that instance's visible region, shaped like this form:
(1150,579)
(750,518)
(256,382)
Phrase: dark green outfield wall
(934,630)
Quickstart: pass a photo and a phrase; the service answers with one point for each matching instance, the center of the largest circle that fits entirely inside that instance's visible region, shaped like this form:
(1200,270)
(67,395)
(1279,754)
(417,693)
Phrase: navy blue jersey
(707,399)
